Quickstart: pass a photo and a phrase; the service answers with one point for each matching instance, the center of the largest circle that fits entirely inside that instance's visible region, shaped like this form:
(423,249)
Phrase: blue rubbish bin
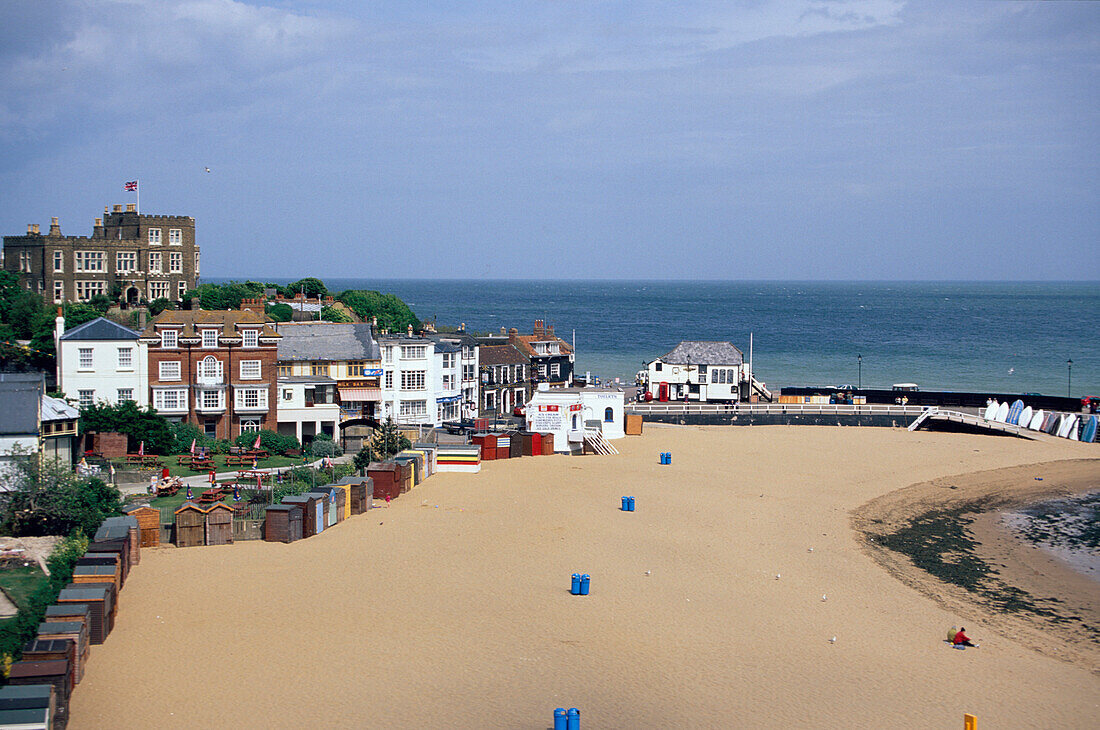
(584,584)
(626,504)
(662,459)
(668,457)
(560,719)
(629,504)
(573,719)
(575,589)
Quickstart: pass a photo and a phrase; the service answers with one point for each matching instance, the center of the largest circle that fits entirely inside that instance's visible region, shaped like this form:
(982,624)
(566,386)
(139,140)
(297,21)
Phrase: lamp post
(1069,378)
(859,381)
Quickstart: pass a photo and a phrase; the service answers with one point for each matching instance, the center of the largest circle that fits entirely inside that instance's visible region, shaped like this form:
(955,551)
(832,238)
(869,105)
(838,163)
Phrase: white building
(697,371)
(102,361)
(448,383)
(468,364)
(307,407)
(409,377)
(567,412)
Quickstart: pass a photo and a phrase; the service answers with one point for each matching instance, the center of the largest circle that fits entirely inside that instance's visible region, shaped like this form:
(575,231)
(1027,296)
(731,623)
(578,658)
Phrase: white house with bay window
(102,361)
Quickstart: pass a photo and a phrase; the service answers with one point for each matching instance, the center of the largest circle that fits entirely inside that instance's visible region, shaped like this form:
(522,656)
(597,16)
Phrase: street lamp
(859,382)
(1069,378)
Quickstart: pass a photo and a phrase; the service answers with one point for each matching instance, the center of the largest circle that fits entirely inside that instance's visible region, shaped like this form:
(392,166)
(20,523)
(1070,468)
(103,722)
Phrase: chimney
(462,327)
(58,330)
(30,229)
(97,229)
(538,331)
(410,330)
(106,210)
(513,335)
(55,227)
(131,208)
(116,209)
(141,319)
(374,322)
(550,332)
(503,332)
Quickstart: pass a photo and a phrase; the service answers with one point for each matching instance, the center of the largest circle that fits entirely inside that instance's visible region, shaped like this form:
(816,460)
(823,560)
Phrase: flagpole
(138,190)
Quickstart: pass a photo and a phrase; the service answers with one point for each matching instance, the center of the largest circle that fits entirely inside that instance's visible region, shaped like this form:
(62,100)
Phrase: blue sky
(862,139)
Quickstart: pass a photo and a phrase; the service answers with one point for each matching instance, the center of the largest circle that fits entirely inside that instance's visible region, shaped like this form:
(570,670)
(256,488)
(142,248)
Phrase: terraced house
(216,369)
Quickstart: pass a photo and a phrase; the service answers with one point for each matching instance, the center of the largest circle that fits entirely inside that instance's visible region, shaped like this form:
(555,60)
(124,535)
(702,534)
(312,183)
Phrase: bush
(334,314)
(158,305)
(280,312)
(138,424)
(323,446)
(186,433)
(48,498)
(269,440)
(393,314)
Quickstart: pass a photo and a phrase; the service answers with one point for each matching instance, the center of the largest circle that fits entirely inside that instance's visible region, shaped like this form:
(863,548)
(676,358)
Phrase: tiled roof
(523,344)
(20,395)
(704,353)
(501,355)
(101,328)
(193,320)
(322,341)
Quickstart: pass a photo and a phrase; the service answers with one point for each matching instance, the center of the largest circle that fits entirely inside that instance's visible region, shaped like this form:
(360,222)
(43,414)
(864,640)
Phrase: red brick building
(215,369)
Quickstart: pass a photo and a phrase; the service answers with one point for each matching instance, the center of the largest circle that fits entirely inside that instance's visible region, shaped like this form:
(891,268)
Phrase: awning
(360,395)
(449,399)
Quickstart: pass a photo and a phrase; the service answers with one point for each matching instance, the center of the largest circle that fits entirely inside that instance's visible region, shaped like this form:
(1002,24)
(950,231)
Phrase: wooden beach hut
(55,672)
(219,524)
(326,515)
(504,446)
(633,423)
(412,466)
(129,523)
(50,648)
(459,458)
(343,501)
(97,574)
(148,519)
(360,490)
(29,707)
(430,453)
(387,478)
(77,631)
(515,441)
(547,444)
(69,612)
(332,507)
(282,523)
(422,458)
(190,525)
(114,540)
(488,444)
(97,596)
(313,520)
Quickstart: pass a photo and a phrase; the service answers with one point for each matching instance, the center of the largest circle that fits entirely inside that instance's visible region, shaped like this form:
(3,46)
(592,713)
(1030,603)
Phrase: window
(469,372)
(658,366)
(125,358)
(288,394)
(467,352)
(210,368)
(85,358)
(389,379)
(448,359)
(490,400)
(158,290)
(608,415)
(210,400)
(210,428)
(25,261)
(448,382)
(59,291)
(87,398)
(170,400)
(387,354)
(125,394)
(170,370)
(181,288)
(154,262)
(88,261)
(209,338)
(169,338)
(196,264)
(318,368)
(175,236)
(412,380)
(251,398)
(250,338)
(413,352)
(125,261)
(355,369)
(284,371)
(414,408)
(58,261)
(85,290)
(154,236)
(250,369)
(250,425)
(175,262)
(555,370)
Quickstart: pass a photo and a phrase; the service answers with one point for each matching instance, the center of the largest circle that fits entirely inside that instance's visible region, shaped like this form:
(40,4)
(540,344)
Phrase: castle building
(130,256)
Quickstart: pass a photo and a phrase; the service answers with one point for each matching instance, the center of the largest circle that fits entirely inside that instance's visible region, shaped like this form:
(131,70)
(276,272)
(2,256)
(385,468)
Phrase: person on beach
(961,639)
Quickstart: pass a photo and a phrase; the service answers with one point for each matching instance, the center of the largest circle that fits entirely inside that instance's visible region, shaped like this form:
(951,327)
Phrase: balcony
(206,379)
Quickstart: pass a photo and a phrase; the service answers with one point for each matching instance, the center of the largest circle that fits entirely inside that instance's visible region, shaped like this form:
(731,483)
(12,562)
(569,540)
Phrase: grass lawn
(20,582)
(174,469)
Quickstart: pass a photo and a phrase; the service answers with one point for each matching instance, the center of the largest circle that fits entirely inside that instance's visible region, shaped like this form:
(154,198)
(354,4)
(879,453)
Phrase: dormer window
(209,338)
(169,338)
(250,338)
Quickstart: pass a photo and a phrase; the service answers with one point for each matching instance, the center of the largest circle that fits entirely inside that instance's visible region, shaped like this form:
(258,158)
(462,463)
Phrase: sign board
(545,421)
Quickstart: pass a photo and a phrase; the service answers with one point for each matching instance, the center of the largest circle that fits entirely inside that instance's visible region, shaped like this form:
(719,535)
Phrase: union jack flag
(131,186)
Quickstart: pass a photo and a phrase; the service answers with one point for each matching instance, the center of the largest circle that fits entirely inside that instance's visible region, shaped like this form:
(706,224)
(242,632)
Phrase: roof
(100,328)
(20,399)
(460,338)
(501,355)
(695,352)
(446,346)
(524,344)
(191,321)
(306,379)
(326,341)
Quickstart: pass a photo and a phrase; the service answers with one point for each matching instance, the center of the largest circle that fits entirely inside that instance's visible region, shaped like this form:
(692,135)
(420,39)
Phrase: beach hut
(430,454)
(386,477)
(633,424)
(459,458)
(77,631)
(97,574)
(488,444)
(313,520)
(282,523)
(112,525)
(412,466)
(114,539)
(332,507)
(148,519)
(343,501)
(360,490)
(426,468)
(326,516)
(515,440)
(547,444)
(504,446)
(190,525)
(52,648)
(55,672)
(97,597)
(29,707)
(219,524)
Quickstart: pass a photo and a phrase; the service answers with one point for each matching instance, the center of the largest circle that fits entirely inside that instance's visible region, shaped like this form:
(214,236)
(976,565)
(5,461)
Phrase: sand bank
(451,608)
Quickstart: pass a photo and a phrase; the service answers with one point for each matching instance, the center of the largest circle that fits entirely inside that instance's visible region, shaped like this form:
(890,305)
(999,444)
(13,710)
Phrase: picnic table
(169,490)
(239,460)
(143,459)
(250,476)
(257,453)
(210,496)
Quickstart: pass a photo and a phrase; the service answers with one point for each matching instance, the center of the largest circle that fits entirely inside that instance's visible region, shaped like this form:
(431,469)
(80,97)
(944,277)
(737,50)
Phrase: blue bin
(662,457)
(584,584)
(560,719)
(668,457)
(626,504)
(575,589)
(629,504)
(573,719)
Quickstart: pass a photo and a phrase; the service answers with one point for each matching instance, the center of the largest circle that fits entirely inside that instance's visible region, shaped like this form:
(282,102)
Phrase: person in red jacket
(961,639)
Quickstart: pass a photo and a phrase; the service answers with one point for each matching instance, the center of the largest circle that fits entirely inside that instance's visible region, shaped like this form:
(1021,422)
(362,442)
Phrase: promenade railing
(876,409)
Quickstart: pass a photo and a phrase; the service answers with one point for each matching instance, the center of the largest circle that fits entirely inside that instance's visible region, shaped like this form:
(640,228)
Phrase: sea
(1010,337)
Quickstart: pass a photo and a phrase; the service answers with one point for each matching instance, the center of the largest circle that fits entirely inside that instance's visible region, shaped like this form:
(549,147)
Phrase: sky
(802,139)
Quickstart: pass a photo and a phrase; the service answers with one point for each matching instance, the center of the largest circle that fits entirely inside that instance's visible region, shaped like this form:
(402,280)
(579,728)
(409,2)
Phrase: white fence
(721,409)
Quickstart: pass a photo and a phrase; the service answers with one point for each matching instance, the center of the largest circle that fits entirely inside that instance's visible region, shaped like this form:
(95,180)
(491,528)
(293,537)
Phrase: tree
(77,313)
(392,313)
(334,314)
(314,288)
(100,303)
(385,442)
(158,305)
(276,443)
(140,425)
(230,294)
(47,498)
(280,312)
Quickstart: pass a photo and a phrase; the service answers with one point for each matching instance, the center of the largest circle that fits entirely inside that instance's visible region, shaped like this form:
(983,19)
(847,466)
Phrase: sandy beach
(451,608)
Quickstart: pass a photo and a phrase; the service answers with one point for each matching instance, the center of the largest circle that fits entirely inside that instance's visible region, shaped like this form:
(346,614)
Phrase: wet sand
(451,608)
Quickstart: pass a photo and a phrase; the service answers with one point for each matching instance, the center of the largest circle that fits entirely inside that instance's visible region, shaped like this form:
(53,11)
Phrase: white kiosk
(566,412)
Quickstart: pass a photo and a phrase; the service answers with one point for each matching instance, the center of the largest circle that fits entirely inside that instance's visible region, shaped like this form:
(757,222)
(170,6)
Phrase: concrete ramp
(977,422)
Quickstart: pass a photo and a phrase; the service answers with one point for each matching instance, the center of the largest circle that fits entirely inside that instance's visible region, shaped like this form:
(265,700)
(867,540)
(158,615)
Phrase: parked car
(519,411)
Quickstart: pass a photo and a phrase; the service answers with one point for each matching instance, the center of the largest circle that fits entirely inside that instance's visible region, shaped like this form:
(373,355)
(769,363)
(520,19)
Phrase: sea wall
(782,419)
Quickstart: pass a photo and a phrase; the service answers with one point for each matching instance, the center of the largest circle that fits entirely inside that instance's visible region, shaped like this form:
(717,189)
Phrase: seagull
(832,640)
(777,576)
(811,550)
(1011,370)
(823,598)
(648,572)
(207,169)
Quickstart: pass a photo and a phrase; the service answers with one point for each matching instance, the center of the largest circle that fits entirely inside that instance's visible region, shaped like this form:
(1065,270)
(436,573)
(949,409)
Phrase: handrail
(774,408)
